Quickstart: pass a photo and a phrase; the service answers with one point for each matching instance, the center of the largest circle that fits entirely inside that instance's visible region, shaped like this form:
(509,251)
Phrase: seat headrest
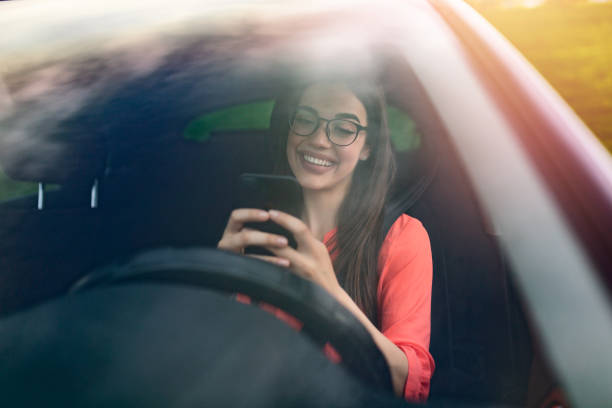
(66,159)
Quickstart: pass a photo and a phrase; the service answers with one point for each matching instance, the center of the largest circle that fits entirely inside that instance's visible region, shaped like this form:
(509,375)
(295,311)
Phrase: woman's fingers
(235,237)
(241,216)
(296,260)
(250,237)
(272,259)
(300,231)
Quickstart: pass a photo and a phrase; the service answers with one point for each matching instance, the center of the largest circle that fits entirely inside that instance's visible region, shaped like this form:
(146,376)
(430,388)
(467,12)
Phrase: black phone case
(269,192)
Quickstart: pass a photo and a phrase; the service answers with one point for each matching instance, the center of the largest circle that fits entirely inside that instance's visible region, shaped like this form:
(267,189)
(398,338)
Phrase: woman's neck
(321,210)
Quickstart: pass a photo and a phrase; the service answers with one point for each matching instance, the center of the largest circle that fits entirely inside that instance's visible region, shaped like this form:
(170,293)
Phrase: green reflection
(402,129)
(254,116)
(11,189)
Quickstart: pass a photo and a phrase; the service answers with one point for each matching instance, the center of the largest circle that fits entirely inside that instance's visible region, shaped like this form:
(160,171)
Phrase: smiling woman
(333,137)
(324,157)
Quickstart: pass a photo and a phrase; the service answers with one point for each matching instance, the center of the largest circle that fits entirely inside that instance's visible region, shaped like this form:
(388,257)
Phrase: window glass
(256,116)
(10,188)
(403,132)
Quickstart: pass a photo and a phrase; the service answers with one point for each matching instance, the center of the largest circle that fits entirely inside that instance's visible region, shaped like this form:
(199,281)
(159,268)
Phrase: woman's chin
(321,184)
(309,182)
(323,179)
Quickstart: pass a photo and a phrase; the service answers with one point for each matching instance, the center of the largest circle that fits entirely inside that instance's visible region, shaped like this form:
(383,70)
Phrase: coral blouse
(404,300)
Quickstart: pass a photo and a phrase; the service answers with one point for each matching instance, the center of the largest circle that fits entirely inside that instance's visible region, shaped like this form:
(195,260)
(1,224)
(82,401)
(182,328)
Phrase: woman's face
(316,162)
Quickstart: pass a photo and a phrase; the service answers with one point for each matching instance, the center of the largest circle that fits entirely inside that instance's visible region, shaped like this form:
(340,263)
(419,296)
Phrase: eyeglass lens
(340,131)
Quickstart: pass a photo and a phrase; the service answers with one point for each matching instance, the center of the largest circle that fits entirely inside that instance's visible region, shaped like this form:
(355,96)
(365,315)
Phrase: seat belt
(402,203)
(389,218)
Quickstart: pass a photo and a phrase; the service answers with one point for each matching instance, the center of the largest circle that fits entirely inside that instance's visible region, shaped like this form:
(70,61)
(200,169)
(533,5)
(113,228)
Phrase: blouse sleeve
(404,300)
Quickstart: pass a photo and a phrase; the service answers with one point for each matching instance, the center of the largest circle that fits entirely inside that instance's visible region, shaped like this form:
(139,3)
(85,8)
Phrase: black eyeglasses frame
(327,131)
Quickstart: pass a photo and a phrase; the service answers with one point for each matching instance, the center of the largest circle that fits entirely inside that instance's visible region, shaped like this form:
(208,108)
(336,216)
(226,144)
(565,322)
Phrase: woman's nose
(319,137)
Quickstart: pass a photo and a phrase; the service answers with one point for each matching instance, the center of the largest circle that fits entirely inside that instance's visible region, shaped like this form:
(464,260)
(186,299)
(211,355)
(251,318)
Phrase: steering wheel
(324,319)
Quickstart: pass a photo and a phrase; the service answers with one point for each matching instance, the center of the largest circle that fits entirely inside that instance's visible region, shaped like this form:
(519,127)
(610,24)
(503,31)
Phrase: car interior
(152,162)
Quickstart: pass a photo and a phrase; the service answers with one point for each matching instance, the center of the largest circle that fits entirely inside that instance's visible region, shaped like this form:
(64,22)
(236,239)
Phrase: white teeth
(318,162)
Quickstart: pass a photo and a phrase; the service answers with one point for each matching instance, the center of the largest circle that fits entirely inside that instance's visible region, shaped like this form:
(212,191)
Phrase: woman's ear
(365,152)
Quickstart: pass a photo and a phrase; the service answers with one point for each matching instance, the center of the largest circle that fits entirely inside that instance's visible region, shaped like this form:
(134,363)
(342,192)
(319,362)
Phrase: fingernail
(273,213)
(263,214)
(283,262)
(281,241)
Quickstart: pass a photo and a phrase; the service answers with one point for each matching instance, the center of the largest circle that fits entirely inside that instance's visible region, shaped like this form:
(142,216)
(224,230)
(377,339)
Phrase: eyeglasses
(341,132)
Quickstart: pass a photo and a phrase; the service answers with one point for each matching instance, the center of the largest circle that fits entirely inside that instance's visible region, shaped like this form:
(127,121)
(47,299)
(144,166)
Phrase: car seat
(479,338)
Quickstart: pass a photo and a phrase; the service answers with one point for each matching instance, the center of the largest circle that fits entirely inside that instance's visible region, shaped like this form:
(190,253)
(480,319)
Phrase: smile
(315,161)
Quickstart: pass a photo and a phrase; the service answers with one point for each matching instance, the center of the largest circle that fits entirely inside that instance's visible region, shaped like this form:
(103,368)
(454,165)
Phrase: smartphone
(270,192)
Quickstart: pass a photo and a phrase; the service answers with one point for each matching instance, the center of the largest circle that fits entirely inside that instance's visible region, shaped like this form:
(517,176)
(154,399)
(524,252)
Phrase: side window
(402,130)
(10,189)
(256,116)
(13,189)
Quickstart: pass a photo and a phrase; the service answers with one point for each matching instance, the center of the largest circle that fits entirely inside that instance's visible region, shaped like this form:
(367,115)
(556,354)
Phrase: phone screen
(267,192)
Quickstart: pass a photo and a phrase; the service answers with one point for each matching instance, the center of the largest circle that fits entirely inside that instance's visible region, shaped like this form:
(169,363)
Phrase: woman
(333,138)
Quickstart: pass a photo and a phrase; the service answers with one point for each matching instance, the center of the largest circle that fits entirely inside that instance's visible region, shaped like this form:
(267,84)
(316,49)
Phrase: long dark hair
(358,238)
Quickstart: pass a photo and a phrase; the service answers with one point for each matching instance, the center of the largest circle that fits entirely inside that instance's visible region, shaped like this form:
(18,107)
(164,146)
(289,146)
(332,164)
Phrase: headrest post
(41,196)
(94,194)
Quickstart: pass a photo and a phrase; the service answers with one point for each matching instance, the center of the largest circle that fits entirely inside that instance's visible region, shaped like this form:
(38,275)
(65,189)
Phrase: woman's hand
(311,259)
(236,237)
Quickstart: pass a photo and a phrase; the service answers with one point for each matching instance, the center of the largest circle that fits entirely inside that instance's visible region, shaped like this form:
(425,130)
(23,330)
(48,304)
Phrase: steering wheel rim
(324,319)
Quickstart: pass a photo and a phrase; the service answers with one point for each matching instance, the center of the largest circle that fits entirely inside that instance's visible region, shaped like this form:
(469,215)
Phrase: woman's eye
(304,121)
(346,131)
